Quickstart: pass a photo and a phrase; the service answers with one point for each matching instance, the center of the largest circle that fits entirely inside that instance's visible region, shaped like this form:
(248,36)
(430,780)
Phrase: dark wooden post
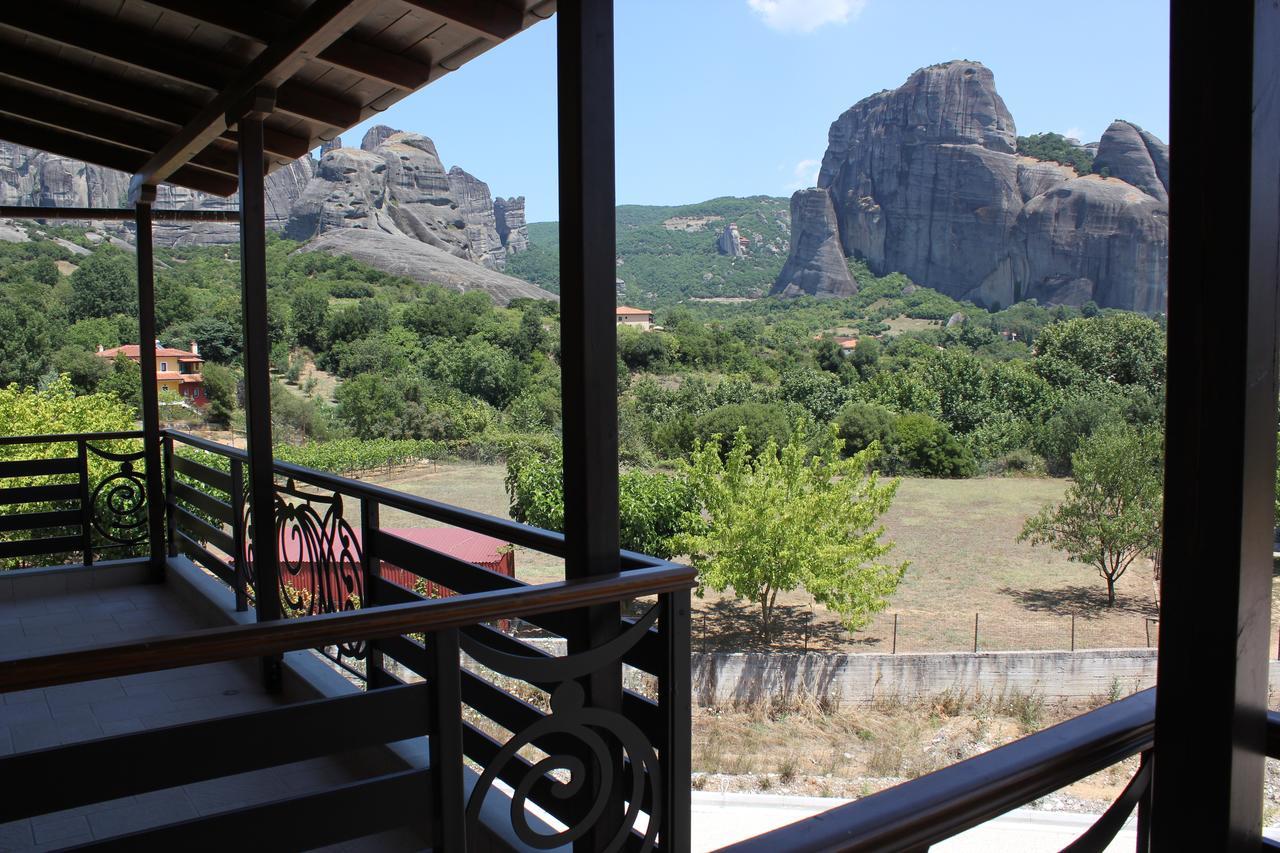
(1211,697)
(674,699)
(238,536)
(371,566)
(588,343)
(150,394)
(170,501)
(86,511)
(444,742)
(257,359)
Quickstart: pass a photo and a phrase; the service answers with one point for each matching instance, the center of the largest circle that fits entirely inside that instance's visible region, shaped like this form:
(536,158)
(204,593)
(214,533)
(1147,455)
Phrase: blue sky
(734,97)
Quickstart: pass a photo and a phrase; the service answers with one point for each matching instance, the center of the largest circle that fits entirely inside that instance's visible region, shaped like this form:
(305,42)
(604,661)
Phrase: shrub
(760,422)
(923,445)
(859,424)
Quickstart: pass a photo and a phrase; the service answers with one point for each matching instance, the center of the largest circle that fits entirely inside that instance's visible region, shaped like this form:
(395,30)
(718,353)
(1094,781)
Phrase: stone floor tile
(122,727)
(24,712)
(59,827)
(127,707)
(84,693)
(39,734)
(16,835)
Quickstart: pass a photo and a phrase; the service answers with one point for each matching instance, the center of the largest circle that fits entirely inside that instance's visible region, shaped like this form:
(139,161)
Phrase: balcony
(369,713)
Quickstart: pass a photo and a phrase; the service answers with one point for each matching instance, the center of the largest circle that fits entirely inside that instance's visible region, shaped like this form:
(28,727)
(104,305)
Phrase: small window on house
(164,366)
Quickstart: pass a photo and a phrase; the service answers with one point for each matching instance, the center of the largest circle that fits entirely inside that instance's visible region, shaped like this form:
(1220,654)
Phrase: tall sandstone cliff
(926,180)
(394,185)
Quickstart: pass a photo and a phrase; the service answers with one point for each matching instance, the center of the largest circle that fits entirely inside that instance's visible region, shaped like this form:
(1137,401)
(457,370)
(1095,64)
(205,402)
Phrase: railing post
(1144,810)
(86,511)
(150,393)
(448,805)
(675,702)
(375,677)
(257,379)
(238,533)
(171,519)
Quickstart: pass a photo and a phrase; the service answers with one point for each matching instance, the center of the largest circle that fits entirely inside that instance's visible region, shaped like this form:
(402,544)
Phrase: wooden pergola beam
(106,154)
(135,48)
(491,19)
(265,26)
(25,105)
(154,106)
(322,24)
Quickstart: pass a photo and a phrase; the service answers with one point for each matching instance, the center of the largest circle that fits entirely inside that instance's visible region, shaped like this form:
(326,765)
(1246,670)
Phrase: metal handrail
(547,541)
(67,437)
(264,638)
(939,805)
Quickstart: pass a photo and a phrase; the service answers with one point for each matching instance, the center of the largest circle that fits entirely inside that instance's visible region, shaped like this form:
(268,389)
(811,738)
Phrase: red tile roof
(623,309)
(131,351)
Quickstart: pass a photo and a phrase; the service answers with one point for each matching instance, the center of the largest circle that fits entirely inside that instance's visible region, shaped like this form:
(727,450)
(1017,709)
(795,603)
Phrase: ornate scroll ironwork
(321,568)
(593,730)
(118,504)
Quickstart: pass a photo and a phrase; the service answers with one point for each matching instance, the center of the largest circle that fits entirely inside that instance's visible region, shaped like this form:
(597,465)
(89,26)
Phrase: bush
(923,445)
(859,424)
(761,422)
(1017,462)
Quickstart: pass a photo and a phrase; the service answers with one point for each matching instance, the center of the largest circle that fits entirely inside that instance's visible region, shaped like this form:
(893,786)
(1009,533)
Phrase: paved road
(720,819)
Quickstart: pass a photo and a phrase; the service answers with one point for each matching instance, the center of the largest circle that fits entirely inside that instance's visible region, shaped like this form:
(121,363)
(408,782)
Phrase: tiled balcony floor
(38,719)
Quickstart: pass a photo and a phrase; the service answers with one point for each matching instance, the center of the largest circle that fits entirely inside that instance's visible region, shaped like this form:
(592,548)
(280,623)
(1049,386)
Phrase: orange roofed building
(177,370)
(637,317)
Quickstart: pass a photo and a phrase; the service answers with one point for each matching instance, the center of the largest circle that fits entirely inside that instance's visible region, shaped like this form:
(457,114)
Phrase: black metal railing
(613,749)
(78,494)
(925,811)
(332,548)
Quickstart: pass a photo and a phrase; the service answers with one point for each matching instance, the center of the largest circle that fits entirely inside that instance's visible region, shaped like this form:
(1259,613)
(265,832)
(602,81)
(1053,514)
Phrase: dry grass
(851,752)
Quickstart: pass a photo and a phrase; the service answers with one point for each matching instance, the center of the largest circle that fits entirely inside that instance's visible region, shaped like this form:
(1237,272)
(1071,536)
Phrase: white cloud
(805,174)
(805,16)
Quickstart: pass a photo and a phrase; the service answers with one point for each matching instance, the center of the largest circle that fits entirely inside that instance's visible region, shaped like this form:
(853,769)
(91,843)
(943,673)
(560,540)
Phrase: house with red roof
(177,370)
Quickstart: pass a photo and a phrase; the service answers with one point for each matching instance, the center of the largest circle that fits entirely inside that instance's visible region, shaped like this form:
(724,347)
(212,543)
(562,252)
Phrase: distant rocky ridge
(926,180)
(394,185)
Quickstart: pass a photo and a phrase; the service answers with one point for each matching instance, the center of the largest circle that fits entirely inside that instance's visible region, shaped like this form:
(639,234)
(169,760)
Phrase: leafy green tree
(174,303)
(759,423)
(25,335)
(105,284)
(124,382)
(1111,514)
(1055,147)
(441,314)
(922,445)
(82,367)
(361,319)
(651,506)
(220,339)
(1110,349)
(819,392)
(787,519)
(309,312)
(220,384)
(860,425)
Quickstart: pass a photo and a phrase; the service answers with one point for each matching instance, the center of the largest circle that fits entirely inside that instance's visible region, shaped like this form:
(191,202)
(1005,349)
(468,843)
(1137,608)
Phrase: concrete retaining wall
(730,679)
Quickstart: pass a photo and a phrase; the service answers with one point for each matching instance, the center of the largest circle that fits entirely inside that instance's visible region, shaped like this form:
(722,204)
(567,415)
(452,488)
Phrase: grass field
(958,536)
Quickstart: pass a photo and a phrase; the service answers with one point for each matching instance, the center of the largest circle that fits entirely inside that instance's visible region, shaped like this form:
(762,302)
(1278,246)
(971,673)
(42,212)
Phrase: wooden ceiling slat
(322,24)
(128,46)
(105,154)
(264,26)
(19,104)
(492,19)
(161,108)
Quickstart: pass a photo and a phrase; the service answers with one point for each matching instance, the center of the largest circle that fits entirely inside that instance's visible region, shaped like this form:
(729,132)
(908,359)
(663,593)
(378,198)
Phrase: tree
(1110,515)
(923,445)
(309,311)
(787,519)
(124,382)
(861,424)
(104,284)
(220,384)
(760,423)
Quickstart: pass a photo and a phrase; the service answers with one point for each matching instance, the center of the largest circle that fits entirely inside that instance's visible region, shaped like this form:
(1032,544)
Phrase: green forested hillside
(668,253)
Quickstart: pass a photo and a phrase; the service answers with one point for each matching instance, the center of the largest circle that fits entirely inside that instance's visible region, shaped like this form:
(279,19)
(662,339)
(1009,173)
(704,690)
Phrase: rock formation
(423,262)
(394,184)
(730,242)
(925,180)
(816,265)
(1129,153)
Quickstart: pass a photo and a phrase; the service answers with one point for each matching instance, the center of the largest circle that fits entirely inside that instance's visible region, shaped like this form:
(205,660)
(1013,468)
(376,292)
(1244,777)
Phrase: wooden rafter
(128,134)
(154,106)
(136,48)
(105,154)
(265,26)
(323,23)
(492,19)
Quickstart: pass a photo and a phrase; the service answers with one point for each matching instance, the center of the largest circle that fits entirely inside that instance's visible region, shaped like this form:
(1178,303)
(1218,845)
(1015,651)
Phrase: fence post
(975,633)
(675,700)
(238,523)
(895,634)
(171,518)
(86,511)
(1073,632)
(444,680)
(371,565)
